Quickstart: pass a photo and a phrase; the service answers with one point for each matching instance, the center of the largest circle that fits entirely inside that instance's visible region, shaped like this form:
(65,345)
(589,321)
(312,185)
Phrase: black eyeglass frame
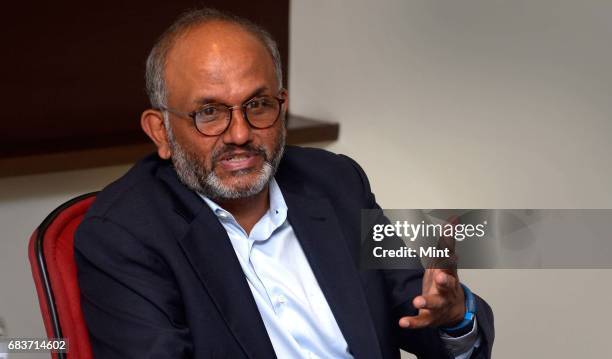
(230,110)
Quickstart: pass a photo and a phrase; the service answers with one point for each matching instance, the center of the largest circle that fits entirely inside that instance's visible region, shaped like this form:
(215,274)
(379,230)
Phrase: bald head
(216,60)
(214,27)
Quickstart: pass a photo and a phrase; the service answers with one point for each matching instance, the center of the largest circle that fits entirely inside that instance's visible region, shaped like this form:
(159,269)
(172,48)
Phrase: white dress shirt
(294,310)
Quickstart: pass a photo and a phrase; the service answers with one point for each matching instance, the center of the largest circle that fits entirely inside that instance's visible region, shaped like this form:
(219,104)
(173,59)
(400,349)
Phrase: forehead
(217,56)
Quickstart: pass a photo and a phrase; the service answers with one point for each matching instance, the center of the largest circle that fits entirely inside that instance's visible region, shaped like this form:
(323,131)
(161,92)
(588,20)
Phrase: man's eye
(254,104)
(209,111)
(259,103)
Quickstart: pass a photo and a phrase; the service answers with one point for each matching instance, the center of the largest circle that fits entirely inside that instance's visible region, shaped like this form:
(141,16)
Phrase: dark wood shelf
(301,130)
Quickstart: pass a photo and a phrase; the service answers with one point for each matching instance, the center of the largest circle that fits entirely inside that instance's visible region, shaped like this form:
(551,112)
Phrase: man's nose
(239,130)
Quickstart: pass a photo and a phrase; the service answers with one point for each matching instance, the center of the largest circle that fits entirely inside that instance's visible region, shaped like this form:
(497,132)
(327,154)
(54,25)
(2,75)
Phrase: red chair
(51,256)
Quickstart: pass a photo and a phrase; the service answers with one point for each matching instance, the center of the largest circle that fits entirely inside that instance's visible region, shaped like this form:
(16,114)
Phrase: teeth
(237,158)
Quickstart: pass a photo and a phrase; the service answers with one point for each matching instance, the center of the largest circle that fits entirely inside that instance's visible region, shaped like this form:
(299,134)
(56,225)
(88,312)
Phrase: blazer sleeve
(403,285)
(129,298)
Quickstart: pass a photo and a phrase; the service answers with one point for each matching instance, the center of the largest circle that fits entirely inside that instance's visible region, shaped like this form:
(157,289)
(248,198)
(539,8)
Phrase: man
(227,244)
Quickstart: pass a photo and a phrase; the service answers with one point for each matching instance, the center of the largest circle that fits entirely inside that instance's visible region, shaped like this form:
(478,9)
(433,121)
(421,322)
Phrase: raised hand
(442,302)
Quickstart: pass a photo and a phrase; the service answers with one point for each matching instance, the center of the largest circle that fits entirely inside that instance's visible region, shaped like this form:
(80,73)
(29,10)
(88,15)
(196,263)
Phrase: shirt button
(281,299)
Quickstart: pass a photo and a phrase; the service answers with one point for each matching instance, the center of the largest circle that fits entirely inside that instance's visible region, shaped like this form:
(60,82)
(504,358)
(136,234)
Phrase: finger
(447,263)
(422,320)
(445,282)
(430,302)
(419,302)
(439,281)
(447,242)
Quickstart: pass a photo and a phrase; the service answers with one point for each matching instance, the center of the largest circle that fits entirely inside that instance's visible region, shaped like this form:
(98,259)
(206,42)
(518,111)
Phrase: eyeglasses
(213,119)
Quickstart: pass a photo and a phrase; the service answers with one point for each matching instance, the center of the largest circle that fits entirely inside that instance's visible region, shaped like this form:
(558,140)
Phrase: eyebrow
(208,100)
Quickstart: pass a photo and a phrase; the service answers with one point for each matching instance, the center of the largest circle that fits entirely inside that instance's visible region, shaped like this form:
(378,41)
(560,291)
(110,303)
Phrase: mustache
(249,148)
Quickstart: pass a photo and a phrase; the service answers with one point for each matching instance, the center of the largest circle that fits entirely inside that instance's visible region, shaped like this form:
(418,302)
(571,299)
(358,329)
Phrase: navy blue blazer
(159,277)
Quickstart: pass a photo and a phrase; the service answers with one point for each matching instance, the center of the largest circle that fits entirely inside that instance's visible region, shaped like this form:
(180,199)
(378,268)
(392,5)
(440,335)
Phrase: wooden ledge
(301,130)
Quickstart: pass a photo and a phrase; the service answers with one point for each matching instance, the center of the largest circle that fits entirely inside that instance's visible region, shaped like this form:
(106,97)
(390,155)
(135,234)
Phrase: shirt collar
(277,211)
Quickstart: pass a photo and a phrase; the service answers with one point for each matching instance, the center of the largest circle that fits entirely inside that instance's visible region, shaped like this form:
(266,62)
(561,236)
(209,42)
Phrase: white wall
(476,104)
(24,203)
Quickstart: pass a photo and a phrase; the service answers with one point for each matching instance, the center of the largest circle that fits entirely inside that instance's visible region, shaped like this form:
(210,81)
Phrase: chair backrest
(51,256)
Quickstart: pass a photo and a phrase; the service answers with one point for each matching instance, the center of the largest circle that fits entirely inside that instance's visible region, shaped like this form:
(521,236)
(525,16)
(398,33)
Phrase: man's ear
(284,94)
(152,123)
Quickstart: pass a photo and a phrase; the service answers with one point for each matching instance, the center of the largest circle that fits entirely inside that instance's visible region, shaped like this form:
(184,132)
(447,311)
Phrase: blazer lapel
(319,234)
(210,253)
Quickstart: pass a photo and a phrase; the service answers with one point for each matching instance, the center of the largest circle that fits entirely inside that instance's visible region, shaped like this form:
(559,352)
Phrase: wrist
(466,323)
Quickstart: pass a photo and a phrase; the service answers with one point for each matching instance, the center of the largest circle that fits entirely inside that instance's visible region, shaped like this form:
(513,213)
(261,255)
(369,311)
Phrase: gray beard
(191,171)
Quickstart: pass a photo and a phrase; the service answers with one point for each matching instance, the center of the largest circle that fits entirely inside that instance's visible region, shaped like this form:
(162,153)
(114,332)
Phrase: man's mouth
(237,161)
